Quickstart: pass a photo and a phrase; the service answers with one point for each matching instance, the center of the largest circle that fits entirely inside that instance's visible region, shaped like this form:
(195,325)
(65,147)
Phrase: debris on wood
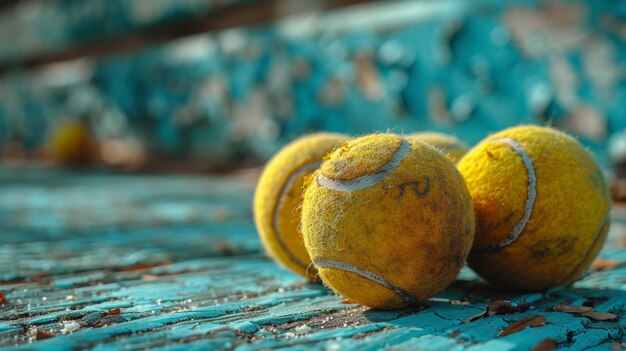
(594,301)
(501,307)
(477,316)
(454,333)
(523,307)
(253,308)
(70,326)
(224,247)
(618,346)
(532,321)
(602,265)
(149,277)
(44,334)
(460,302)
(142,266)
(571,309)
(600,316)
(545,345)
(498,307)
(42,278)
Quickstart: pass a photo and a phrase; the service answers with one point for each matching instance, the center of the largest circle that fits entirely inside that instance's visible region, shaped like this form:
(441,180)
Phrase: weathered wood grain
(173,263)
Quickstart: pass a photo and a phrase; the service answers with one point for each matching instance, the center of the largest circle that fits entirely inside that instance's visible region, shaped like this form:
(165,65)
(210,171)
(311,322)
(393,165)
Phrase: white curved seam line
(366,181)
(531,196)
(325,263)
(595,239)
(283,192)
(600,229)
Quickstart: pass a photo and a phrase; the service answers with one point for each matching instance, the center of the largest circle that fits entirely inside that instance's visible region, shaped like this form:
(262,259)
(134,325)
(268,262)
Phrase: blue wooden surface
(179,257)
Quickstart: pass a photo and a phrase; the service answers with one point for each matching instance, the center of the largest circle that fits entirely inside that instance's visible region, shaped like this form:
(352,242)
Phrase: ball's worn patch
(366,181)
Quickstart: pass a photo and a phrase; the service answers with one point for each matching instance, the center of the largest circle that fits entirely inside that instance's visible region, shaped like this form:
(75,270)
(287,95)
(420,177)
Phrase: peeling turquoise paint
(200,282)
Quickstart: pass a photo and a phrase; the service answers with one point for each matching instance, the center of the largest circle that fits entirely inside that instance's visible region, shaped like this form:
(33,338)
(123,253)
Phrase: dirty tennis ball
(450,146)
(388,221)
(279,195)
(542,207)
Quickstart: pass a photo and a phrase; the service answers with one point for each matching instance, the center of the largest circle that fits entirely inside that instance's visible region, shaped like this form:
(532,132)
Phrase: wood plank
(89,260)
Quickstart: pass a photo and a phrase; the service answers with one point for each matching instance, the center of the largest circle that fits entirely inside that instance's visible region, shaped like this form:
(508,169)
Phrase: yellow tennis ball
(70,144)
(279,194)
(388,221)
(450,146)
(542,207)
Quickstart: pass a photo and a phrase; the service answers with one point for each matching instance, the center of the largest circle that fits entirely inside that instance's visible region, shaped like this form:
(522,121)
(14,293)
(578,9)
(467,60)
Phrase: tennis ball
(70,144)
(448,145)
(542,207)
(279,194)
(388,221)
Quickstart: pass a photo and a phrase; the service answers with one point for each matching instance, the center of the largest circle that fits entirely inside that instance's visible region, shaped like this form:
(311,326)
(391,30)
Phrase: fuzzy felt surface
(558,199)
(279,194)
(413,227)
(453,148)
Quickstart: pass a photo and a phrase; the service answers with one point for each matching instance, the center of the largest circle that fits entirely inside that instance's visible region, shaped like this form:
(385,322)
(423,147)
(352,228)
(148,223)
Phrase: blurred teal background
(226,83)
